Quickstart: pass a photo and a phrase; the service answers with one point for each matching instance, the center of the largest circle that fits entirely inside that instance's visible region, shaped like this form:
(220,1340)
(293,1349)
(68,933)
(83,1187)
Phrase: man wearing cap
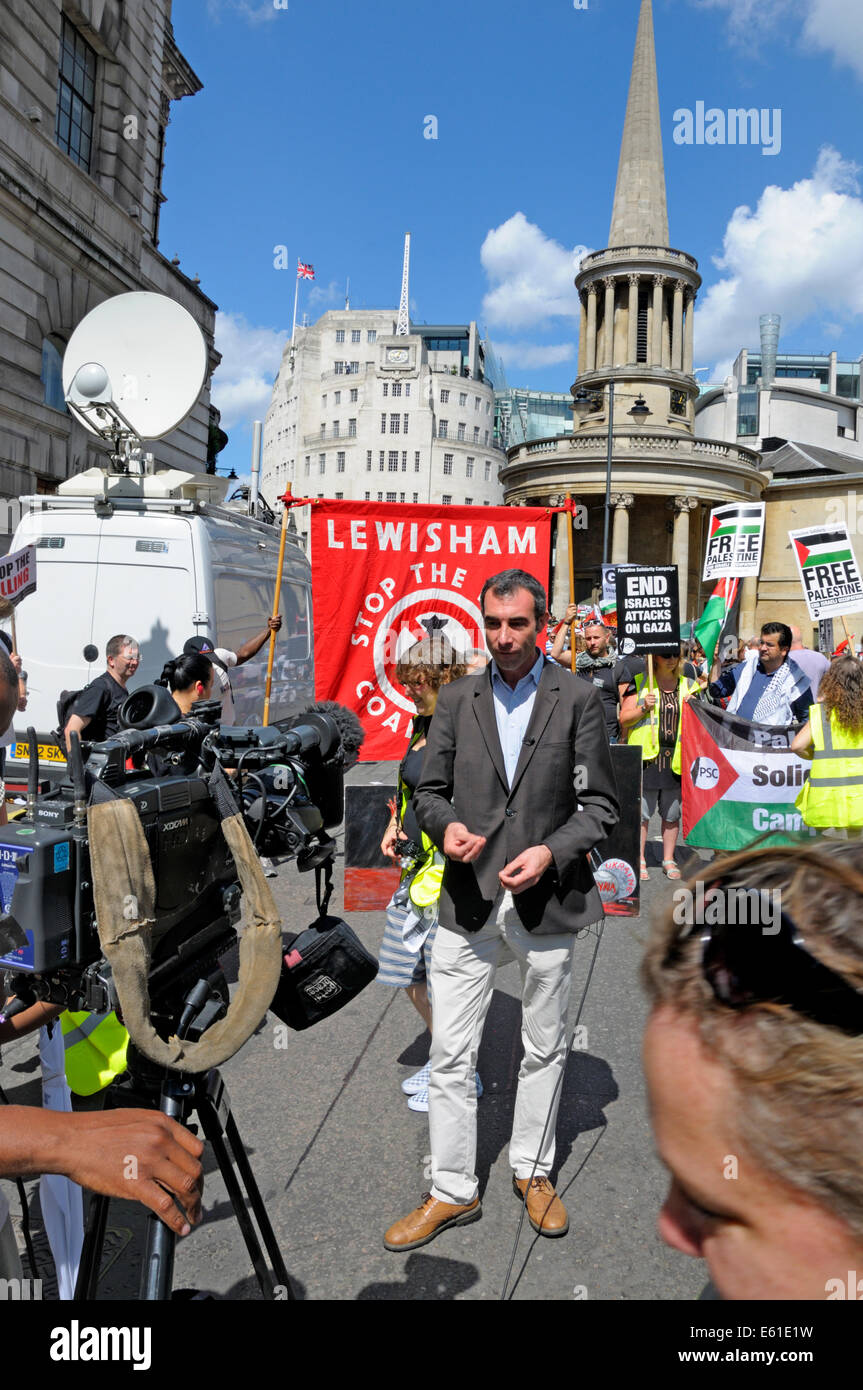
(223,660)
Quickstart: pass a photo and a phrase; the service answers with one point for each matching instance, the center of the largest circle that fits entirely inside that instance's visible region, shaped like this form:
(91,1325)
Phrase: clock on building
(396,356)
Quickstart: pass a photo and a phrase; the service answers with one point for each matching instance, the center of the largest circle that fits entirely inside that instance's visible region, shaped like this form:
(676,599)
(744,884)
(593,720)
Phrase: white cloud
(243,381)
(325,294)
(797,254)
(531,274)
(253,14)
(833,26)
(523,354)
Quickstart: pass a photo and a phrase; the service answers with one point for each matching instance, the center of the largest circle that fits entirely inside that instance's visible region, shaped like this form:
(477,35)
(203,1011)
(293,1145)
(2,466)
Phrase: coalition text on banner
(740,780)
(734,541)
(384,576)
(828,571)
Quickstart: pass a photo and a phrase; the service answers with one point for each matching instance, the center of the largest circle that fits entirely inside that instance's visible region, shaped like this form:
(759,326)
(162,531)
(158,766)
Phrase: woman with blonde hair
(754,1061)
(412,914)
(832,738)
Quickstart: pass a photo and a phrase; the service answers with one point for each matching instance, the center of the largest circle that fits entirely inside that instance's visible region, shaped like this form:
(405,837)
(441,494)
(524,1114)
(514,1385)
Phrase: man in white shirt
(223,660)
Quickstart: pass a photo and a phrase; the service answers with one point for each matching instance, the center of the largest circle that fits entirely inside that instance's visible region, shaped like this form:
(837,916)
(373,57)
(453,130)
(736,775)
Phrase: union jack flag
(305,272)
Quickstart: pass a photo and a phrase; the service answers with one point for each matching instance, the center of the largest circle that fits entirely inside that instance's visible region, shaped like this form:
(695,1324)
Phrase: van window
(243,605)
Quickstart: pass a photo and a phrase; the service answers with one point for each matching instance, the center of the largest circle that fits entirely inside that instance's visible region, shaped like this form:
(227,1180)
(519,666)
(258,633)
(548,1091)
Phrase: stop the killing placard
(648,611)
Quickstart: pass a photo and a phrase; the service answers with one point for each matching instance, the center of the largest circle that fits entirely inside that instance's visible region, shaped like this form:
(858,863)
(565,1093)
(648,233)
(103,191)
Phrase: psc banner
(828,571)
(740,780)
(734,541)
(386,575)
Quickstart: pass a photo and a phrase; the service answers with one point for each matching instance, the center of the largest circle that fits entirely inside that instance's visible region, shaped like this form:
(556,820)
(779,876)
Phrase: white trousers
(463,966)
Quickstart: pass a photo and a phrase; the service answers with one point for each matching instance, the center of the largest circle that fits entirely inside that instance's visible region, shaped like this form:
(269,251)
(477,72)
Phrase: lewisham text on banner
(384,576)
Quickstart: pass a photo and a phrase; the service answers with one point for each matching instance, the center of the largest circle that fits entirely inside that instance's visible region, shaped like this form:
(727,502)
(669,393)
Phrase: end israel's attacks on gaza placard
(828,570)
(734,541)
(648,611)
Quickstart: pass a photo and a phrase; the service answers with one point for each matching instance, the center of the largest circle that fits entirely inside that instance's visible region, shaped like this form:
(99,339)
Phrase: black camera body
(287,781)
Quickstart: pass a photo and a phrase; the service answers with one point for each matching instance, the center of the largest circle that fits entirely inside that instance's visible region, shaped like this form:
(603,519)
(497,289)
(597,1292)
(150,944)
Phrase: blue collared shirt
(512,710)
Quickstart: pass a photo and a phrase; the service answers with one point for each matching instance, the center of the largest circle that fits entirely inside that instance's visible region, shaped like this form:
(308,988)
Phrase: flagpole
(296,295)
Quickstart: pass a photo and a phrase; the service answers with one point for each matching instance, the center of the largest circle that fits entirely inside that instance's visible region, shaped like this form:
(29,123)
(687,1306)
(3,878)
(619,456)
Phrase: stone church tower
(637,314)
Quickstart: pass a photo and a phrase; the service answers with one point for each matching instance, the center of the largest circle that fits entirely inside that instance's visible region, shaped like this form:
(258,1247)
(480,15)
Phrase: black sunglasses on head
(746,965)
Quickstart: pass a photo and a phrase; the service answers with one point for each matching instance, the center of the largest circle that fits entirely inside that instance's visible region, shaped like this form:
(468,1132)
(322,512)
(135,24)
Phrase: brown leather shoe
(429,1220)
(545,1210)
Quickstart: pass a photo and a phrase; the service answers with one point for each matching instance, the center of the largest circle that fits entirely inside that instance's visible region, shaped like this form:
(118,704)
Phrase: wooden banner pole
(286,500)
(650,688)
(571,578)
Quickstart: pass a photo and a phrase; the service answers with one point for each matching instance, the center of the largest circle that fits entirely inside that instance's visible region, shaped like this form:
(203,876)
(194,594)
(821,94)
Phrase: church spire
(640,215)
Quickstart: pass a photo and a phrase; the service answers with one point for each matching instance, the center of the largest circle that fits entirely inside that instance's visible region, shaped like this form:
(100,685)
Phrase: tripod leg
(218,1124)
(158,1274)
(91,1250)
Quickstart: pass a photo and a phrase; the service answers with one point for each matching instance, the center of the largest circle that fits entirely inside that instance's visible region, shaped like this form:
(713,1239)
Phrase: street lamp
(586,403)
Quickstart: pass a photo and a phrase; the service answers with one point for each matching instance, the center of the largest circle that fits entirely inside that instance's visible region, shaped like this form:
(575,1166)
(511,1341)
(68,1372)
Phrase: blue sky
(309,133)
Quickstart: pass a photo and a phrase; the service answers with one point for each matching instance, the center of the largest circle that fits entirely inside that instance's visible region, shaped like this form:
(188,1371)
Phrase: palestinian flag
(737,785)
(828,570)
(718,617)
(608,612)
(732,521)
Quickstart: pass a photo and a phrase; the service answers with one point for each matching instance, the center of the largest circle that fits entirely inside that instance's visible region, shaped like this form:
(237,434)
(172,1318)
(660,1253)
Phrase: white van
(160,557)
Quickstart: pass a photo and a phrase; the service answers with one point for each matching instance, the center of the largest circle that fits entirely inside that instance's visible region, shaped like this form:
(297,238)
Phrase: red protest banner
(384,575)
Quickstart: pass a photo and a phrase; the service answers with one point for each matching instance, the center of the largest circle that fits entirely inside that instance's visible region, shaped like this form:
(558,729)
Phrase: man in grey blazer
(517,787)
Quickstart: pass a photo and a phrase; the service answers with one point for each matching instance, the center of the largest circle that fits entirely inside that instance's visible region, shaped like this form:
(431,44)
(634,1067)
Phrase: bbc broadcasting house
(361,413)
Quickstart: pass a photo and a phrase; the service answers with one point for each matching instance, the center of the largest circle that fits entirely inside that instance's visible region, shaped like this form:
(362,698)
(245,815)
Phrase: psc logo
(704,774)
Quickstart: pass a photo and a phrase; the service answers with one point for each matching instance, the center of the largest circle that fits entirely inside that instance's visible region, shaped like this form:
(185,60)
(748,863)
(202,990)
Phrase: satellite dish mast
(133,370)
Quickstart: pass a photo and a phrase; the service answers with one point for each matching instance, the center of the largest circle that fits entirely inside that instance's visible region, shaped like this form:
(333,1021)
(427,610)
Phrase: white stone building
(85,97)
(361,413)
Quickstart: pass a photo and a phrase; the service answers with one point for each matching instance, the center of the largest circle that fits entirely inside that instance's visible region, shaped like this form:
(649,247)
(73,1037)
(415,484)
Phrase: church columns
(748,601)
(682,506)
(677,328)
(621,502)
(582,337)
(560,592)
(688,333)
(590,355)
(632,326)
(656,323)
(608,354)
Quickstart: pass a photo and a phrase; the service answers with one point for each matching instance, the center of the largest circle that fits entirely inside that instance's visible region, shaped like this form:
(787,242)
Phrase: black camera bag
(323,967)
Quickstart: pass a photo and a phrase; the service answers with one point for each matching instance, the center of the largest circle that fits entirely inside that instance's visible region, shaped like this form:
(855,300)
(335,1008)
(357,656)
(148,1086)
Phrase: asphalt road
(339,1156)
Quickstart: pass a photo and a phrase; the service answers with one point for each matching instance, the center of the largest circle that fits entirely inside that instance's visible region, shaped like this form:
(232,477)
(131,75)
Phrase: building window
(416,498)
(462,397)
(468,501)
(339,368)
(442,429)
(367,496)
(355,368)
(76,87)
(461,429)
(380,497)
(401,497)
(404,424)
(381,461)
(354,393)
(486,439)
(447,463)
(416,462)
(444,396)
(52,374)
(404,460)
(468,469)
(397,388)
(391,497)
(335,429)
(395,424)
(340,335)
(393,461)
(356,335)
(371,335)
(386,388)
(308,464)
(407,388)
(488,472)
(476,402)
(476,434)
(323,402)
(447,499)
(337,398)
(339,496)
(747,412)
(322,463)
(368,460)
(487,407)
(340,461)
(383,424)
(352,427)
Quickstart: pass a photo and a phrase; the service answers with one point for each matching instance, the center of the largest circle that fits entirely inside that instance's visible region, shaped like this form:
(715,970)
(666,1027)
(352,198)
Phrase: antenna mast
(403,328)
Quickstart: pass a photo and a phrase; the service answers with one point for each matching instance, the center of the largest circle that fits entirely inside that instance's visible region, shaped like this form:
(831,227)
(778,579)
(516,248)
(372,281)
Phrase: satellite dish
(141,353)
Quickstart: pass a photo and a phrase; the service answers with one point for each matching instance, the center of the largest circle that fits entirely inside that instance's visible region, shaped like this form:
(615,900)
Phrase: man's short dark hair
(505,584)
(780,630)
(116,644)
(8,690)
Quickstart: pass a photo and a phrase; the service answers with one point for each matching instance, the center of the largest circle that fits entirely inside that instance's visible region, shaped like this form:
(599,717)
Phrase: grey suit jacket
(563,795)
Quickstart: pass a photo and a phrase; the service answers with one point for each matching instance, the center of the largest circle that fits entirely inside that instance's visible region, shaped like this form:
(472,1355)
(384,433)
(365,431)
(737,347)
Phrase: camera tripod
(179,1095)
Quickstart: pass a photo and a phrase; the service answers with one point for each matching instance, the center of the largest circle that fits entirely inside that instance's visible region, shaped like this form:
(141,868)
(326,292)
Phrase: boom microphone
(351,730)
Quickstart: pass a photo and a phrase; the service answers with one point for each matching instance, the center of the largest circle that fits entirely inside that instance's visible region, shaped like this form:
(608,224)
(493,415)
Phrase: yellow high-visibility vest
(833,796)
(648,738)
(426,883)
(95,1047)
